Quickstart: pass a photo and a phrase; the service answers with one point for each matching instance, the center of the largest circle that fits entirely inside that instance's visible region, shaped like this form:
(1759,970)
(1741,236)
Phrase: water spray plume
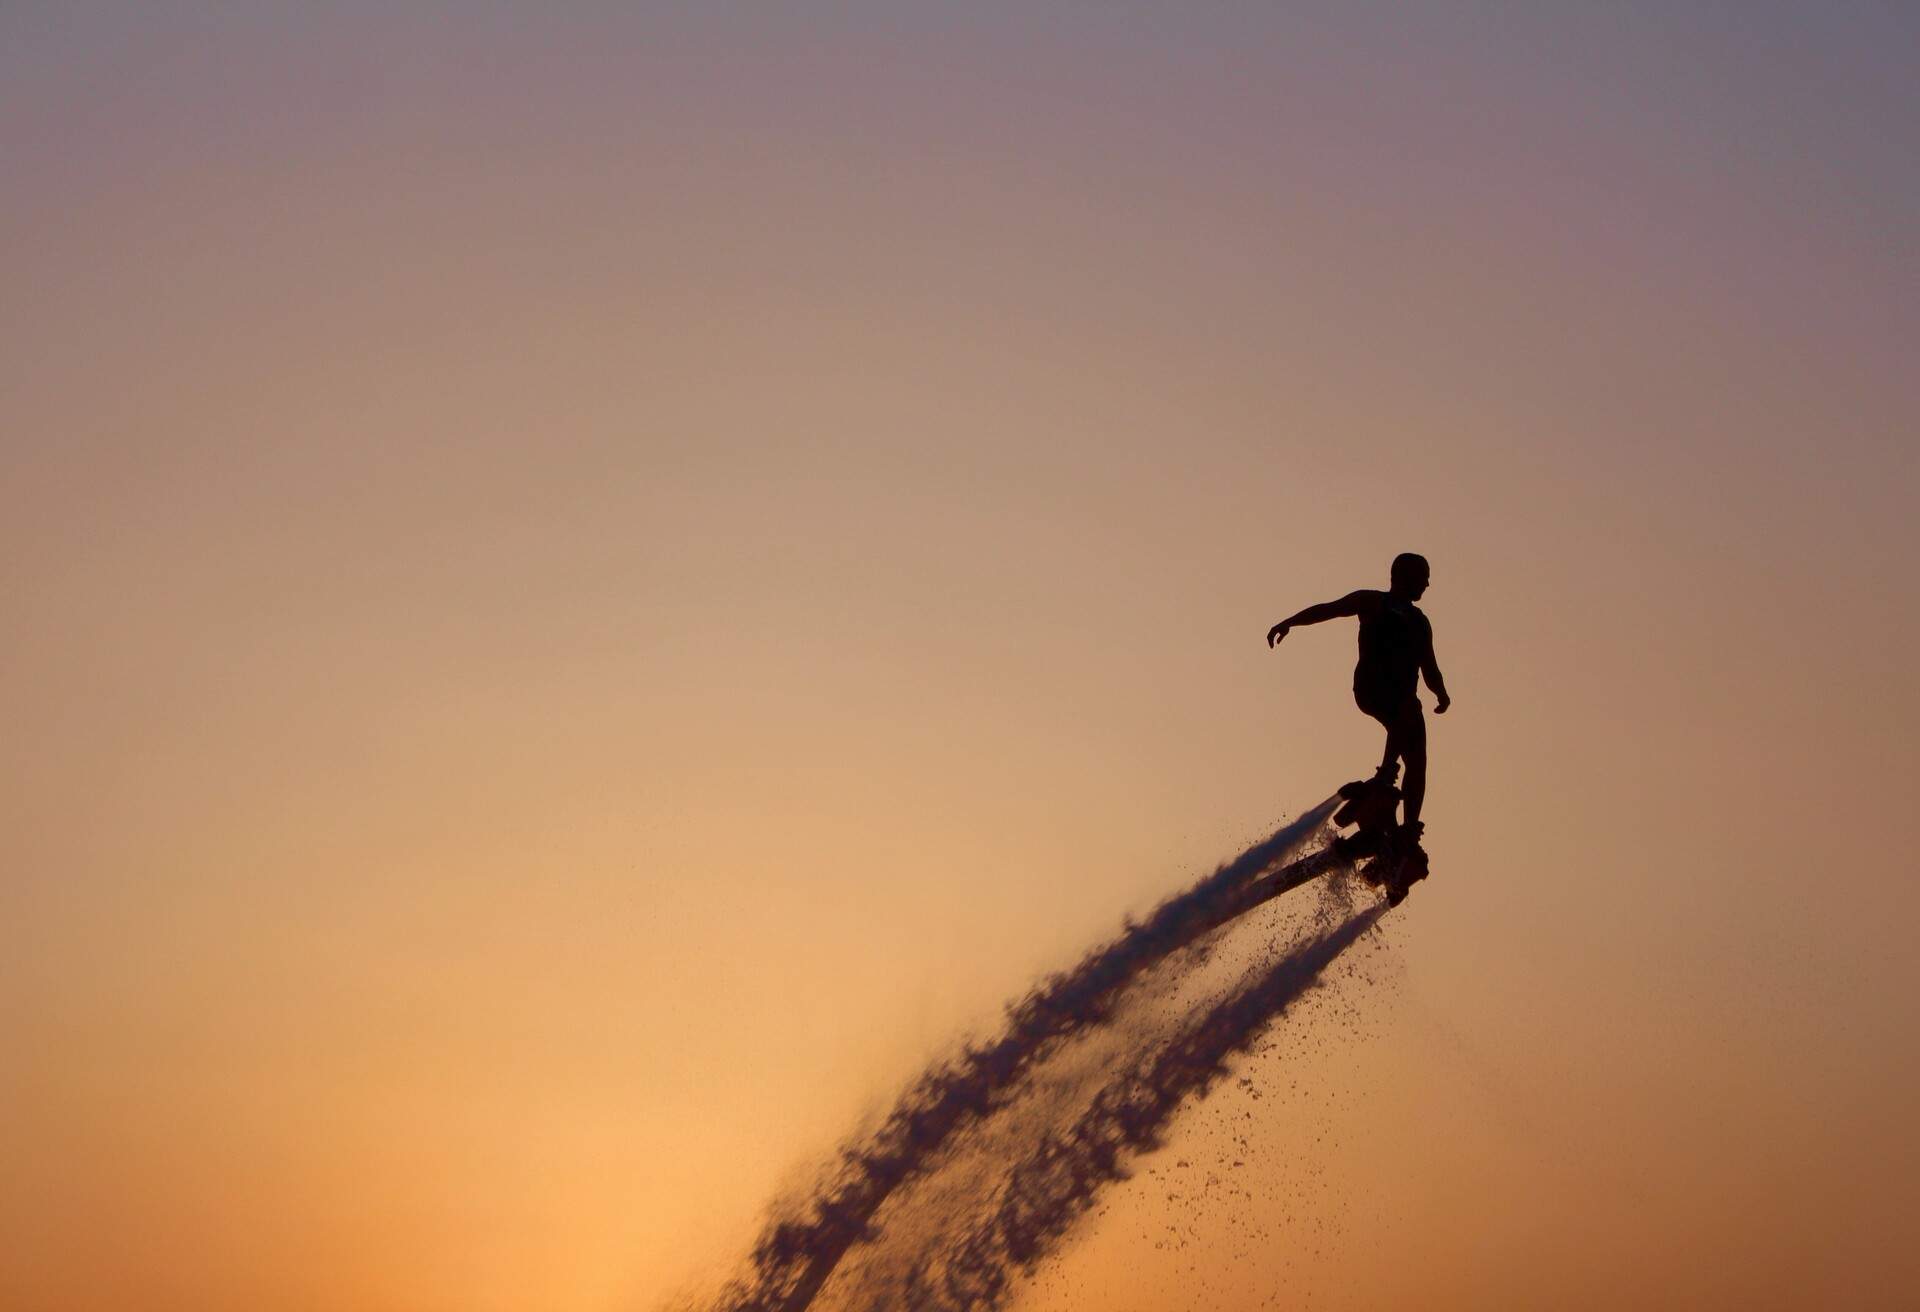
(1053,1182)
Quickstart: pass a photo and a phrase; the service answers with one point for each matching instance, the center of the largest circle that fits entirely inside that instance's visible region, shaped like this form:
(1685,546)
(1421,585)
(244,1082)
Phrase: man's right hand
(1276,633)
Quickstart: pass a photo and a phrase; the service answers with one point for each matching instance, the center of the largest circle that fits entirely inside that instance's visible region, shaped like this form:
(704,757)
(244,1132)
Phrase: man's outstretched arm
(1350,604)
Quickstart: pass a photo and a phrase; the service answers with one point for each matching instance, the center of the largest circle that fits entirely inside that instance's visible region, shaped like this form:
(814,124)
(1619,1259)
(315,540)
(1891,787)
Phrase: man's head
(1409,576)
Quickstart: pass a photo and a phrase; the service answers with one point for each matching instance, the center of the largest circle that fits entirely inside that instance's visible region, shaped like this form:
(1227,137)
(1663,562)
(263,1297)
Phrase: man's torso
(1394,639)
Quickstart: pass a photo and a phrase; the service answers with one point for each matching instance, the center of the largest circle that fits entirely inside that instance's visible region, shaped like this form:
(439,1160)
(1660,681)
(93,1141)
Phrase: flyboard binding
(1388,855)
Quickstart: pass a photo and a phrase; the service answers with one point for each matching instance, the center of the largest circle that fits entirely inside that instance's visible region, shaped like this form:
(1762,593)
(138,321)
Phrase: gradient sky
(587,586)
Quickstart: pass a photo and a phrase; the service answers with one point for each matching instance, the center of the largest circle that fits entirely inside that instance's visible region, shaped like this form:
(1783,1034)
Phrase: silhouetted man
(1396,647)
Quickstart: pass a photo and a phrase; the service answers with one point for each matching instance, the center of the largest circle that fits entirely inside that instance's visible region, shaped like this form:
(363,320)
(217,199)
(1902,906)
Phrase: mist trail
(970,1262)
(794,1257)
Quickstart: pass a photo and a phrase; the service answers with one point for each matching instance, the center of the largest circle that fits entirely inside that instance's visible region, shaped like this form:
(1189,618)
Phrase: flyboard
(1391,857)
(1377,849)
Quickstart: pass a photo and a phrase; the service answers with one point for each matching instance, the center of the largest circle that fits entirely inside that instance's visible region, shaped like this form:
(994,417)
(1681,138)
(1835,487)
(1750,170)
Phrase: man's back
(1395,638)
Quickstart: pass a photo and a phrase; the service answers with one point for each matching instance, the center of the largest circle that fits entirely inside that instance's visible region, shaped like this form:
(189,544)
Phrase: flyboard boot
(1404,863)
(1387,854)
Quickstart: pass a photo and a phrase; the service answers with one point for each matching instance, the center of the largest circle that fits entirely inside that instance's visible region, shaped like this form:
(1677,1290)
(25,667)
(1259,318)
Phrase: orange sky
(586,593)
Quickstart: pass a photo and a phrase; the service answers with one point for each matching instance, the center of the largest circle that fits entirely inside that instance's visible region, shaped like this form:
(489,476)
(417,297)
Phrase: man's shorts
(1385,704)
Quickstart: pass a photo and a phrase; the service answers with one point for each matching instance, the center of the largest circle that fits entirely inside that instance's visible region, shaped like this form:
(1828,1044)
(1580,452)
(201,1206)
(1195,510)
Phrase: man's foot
(1387,773)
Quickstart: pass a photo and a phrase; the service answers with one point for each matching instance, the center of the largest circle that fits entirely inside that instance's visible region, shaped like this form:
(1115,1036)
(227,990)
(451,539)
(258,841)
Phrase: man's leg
(1381,710)
(1407,739)
(1391,754)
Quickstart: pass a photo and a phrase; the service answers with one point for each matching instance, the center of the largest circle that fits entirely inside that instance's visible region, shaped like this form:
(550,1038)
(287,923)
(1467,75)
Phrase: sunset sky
(587,587)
